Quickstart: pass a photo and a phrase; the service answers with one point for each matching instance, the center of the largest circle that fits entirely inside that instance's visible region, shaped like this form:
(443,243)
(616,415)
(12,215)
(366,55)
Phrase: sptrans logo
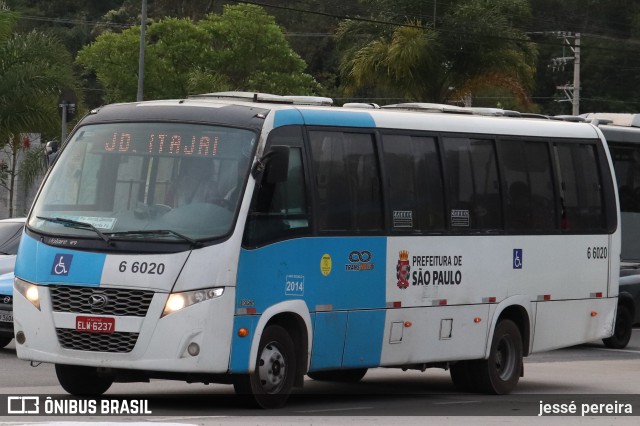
(403,269)
(360,261)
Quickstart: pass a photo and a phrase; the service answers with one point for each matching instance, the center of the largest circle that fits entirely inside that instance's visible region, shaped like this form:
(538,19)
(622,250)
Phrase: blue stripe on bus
(287,117)
(292,269)
(323,118)
(36,262)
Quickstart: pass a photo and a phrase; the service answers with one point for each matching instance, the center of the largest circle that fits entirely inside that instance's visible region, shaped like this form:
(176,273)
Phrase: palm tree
(34,68)
(407,62)
(477,45)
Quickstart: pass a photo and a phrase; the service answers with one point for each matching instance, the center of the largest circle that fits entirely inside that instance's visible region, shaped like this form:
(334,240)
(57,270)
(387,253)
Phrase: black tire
(352,375)
(5,339)
(499,374)
(82,381)
(269,386)
(462,376)
(622,329)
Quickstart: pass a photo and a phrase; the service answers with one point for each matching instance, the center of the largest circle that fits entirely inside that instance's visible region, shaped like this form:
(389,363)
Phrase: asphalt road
(585,375)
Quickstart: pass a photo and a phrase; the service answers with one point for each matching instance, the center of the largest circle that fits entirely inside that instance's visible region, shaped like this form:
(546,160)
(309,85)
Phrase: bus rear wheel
(499,374)
(622,329)
(352,375)
(80,380)
(269,386)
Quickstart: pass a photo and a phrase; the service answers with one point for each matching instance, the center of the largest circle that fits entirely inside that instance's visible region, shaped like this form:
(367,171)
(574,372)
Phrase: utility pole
(143,26)
(67,107)
(435,4)
(571,91)
(576,75)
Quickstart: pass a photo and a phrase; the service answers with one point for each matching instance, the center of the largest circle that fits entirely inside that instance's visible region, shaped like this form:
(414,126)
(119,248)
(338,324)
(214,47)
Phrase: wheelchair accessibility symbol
(517,258)
(61,264)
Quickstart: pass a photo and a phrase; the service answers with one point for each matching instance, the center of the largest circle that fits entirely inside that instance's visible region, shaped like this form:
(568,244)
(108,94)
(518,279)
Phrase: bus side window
(472,184)
(528,182)
(279,210)
(347,181)
(580,188)
(414,182)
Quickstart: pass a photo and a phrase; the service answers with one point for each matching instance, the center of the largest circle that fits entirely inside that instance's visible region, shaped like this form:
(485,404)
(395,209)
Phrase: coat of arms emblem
(403,269)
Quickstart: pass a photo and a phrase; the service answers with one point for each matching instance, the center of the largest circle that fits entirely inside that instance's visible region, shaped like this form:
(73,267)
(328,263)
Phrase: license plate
(95,324)
(6,316)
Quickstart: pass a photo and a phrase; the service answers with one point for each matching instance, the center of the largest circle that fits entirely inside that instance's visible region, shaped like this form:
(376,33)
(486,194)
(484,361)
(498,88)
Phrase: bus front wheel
(499,374)
(269,386)
(80,380)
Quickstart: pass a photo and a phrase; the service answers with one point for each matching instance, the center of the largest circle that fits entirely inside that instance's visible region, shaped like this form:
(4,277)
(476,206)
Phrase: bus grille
(97,342)
(120,302)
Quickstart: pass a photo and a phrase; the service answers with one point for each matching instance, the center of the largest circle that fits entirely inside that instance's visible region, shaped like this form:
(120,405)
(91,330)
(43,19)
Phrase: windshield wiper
(157,232)
(76,224)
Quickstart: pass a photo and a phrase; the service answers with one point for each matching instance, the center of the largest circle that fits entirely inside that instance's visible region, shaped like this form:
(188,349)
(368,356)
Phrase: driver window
(279,210)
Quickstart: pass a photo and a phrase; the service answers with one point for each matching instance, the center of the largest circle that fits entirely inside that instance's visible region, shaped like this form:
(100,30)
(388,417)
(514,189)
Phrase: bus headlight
(177,301)
(28,290)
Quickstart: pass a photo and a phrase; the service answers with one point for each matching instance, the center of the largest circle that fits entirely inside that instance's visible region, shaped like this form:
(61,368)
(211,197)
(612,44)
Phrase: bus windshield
(160,181)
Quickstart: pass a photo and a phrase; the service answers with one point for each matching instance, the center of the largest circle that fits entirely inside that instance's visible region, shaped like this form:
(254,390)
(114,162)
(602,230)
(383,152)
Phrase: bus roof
(249,110)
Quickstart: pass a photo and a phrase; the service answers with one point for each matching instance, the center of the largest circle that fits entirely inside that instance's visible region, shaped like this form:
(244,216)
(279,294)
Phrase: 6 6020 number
(597,253)
(151,268)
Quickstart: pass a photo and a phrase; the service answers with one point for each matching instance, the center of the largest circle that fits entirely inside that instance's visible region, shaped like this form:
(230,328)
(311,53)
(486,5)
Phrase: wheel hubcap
(505,359)
(272,368)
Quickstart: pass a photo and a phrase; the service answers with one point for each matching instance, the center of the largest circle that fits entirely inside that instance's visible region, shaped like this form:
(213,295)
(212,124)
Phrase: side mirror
(273,166)
(50,152)
(51,147)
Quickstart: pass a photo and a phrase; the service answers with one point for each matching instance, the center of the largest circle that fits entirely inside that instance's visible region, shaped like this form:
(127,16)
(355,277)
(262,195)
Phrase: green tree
(251,50)
(241,49)
(113,58)
(476,45)
(34,68)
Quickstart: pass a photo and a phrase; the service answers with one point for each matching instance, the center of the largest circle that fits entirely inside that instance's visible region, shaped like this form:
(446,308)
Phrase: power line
(73,21)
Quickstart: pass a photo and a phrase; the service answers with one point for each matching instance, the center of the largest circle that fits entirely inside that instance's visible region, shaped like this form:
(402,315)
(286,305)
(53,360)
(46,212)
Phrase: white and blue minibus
(253,239)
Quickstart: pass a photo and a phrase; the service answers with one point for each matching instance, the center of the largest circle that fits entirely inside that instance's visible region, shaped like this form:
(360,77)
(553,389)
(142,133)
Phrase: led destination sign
(177,139)
(164,143)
